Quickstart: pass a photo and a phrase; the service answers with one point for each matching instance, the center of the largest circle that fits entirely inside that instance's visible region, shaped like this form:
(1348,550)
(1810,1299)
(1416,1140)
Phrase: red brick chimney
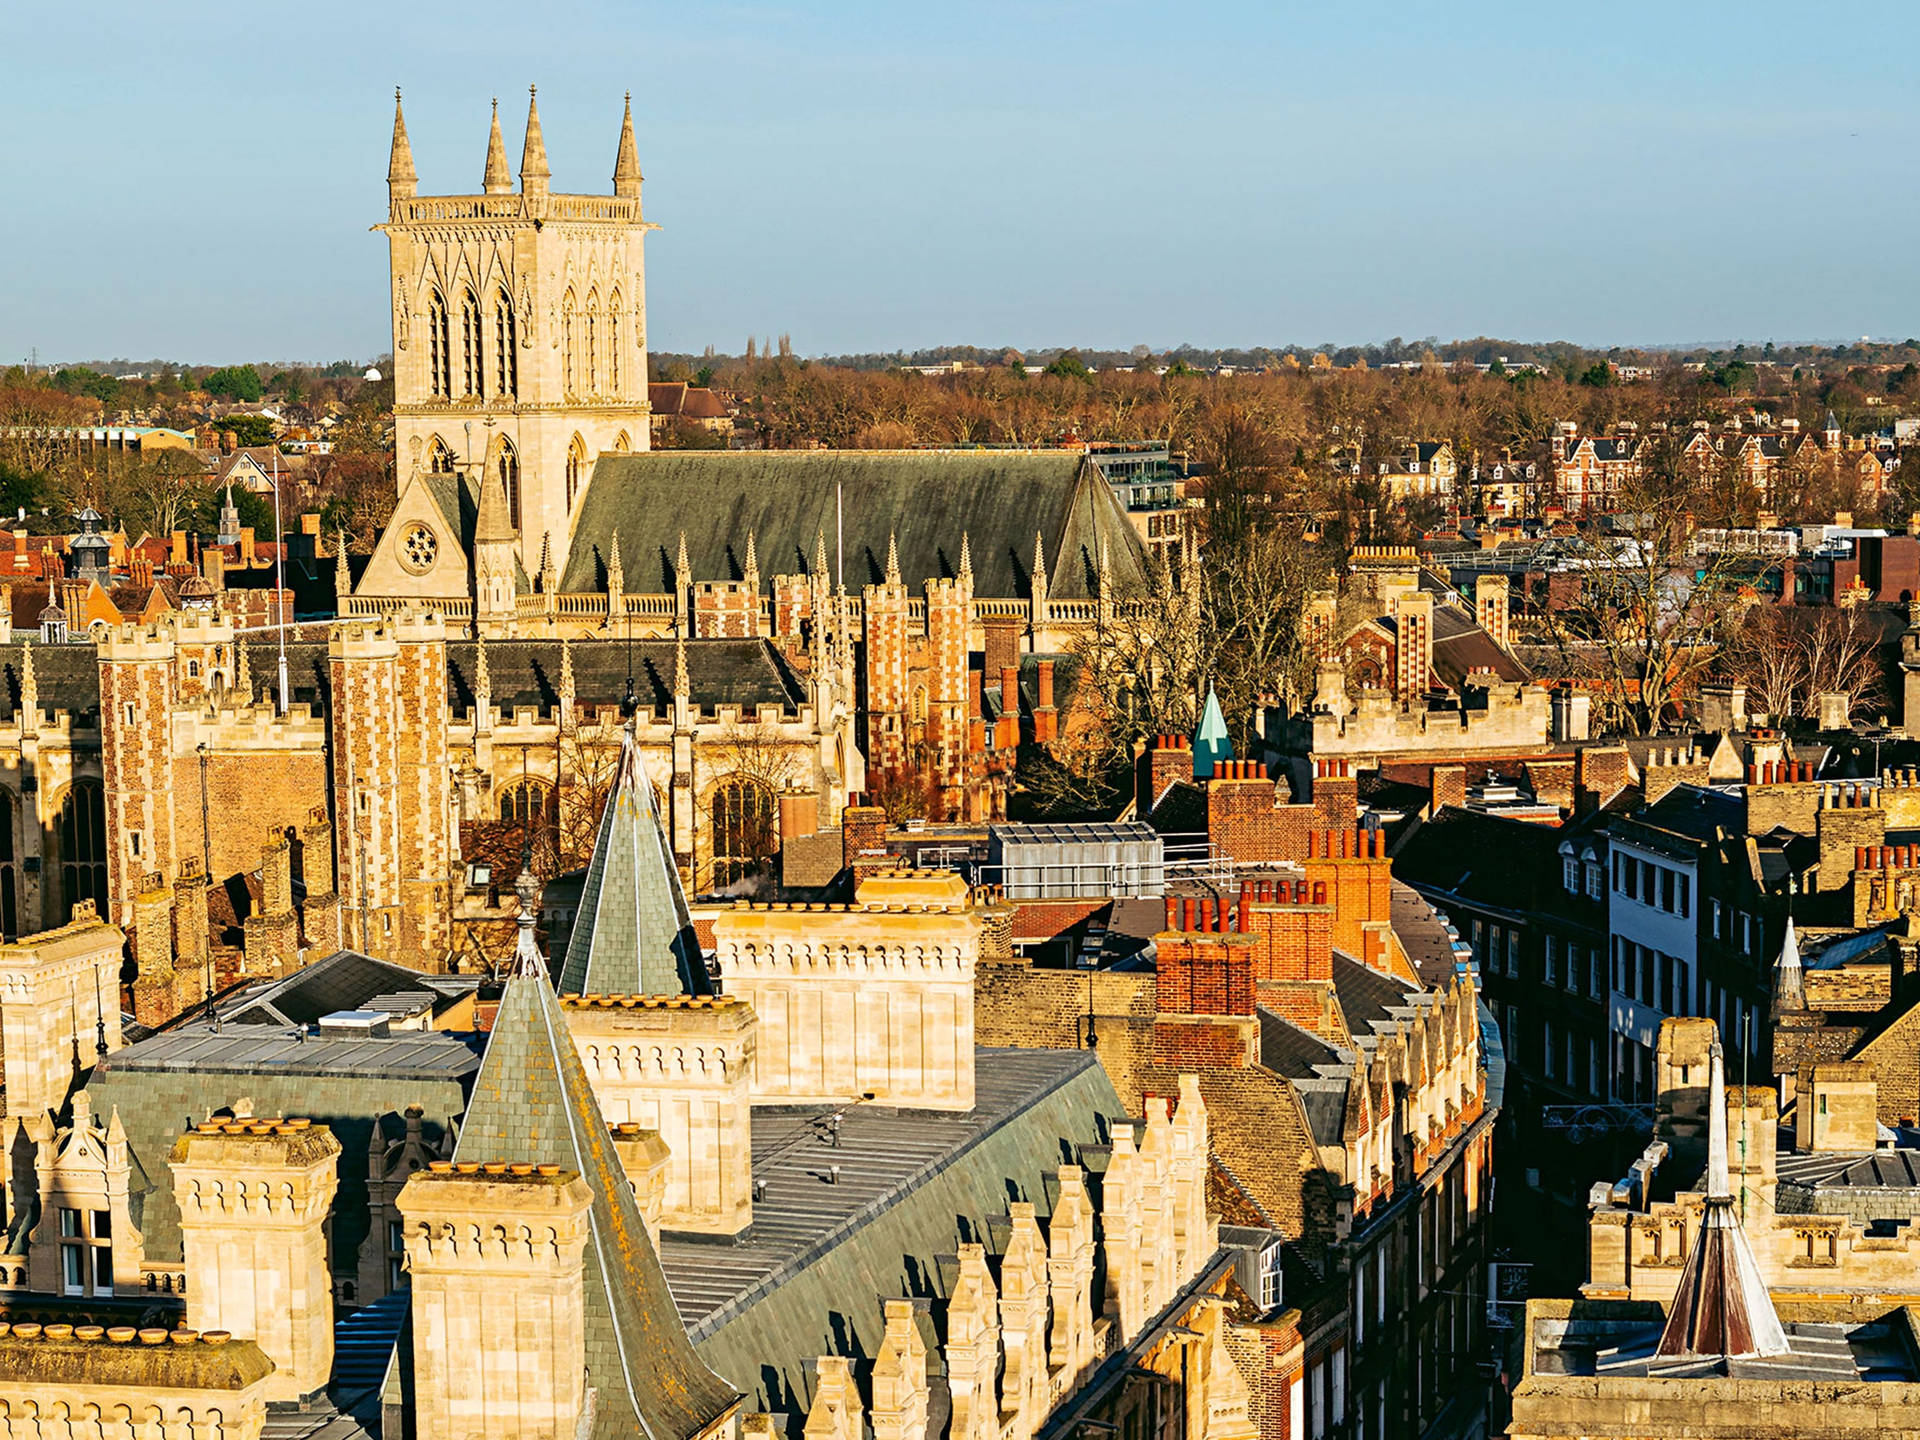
(1006,735)
(1045,719)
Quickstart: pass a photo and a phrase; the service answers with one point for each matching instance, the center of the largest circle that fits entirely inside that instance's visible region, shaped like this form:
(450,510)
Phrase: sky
(196,182)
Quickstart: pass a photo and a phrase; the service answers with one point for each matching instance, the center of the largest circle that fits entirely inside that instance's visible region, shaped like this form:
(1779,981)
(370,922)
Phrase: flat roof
(257,1050)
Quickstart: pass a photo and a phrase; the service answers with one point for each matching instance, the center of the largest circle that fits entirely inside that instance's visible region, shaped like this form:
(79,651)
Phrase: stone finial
(498,180)
(616,579)
(482,682)
(966,559)
(820,575)
(242,673)
(1070,1253)
(402,181)
(893,560)
(899,1379)
(626,163)
(681,687)
(534,173)
(973,1348)
(549,576)
(752,567)
(835,1413)
(29,692)
(682,568)
(342,575)
(1039,566)
(566,669)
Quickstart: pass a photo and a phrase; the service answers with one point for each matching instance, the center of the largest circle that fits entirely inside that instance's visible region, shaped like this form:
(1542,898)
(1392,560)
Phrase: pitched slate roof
(926,500)
(746,673)
(632,934)
(532,1103)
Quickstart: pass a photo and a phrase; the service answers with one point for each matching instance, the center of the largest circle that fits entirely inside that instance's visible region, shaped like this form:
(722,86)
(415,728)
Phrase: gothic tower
(519,333)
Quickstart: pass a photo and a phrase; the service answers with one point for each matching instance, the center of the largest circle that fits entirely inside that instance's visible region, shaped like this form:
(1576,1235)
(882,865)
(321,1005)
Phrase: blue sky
(196,181)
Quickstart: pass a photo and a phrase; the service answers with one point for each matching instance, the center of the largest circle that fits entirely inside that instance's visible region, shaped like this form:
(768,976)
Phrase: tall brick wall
(364,663)
(1336,797)
(247,792)
(887,667)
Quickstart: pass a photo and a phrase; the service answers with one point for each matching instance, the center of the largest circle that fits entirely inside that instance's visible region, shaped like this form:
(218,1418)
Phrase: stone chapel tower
(519,334)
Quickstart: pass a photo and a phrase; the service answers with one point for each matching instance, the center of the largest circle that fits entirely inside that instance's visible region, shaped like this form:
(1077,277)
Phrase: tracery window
(593,342)
(439,457)
(439,348)
(529,802)
(566,342)
(473,368)
(576,462)
(510,479)
(506,360)
(613,345)
(82,844)
(743,830)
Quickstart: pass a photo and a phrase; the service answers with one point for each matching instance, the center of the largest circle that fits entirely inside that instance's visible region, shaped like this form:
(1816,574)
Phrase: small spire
(820,576)
(1789,981)
(342,575)
(498,180)
(495,520)
(1039,567)
(681,687)
(615,575)
(546,561)
(966,559)
(893,561)
(533,155)
(566,669)
(482,677)
(29,690)
(243,680)
(682,571)
(753,559)
(626,165)
(402,182)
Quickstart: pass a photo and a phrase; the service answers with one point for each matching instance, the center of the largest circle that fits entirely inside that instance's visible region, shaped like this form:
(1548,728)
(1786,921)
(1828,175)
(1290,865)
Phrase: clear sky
(196,181)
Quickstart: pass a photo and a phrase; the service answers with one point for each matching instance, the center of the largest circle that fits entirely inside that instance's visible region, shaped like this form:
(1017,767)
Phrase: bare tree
(1787,657)
(1652,606)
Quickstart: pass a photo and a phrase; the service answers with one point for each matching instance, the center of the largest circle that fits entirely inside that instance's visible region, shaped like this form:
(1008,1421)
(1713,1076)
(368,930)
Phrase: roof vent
(355,1024)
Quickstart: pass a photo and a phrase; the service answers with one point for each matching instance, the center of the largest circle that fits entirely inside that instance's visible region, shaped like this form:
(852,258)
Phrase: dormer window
(1570,874)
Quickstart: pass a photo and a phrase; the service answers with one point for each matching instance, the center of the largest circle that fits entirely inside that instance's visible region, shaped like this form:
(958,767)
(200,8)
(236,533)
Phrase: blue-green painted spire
(1211,743)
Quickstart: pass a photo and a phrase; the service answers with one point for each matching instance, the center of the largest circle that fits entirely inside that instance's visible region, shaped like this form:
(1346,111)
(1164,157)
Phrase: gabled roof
(926,501)
(632,934)
(532,1103)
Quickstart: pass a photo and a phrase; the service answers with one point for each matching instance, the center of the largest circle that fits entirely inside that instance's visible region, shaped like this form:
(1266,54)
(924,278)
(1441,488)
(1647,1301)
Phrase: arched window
(566,342)
(9,905)
(576,467)
(529,802)
(506,359)
(439,348)
(510,478)
(622,443)
(439,457)
(613,344)
(81,847)
(473,370)
(743,830)
(593,342)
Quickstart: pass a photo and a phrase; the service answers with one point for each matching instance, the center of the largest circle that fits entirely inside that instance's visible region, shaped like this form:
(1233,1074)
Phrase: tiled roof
(786,499)
(632,934)
(532,1103)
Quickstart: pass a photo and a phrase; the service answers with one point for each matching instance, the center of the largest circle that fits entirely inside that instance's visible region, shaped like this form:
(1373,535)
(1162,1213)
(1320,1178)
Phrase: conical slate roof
(1721,1308)
(632,934)
(532,1104)
(1789,980)
(1211,743)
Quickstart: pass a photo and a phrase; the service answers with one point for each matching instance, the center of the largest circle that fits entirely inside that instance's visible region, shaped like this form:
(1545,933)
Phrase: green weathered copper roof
(532,1103)
(632,934)
(925,500)
(812,1275)
(163,1085)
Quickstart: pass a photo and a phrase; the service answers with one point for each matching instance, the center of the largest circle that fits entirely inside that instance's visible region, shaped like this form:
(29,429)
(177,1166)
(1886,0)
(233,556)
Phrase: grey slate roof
(786,499)
(810,1277)
(744,673)
(344,980)
(162,1085)
(532,1103)
(632,934)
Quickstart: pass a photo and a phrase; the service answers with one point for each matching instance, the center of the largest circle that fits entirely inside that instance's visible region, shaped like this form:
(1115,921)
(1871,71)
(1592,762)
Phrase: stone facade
(59,1009)
(121,1382)
(254,1197)
(499,1328)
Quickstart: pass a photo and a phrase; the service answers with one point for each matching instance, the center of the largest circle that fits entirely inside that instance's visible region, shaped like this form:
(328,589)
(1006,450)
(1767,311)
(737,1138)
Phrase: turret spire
(1039,566)
(752,567)
(626,165)
(498,180)
(342,576)
(616,577)
(533,155)
(893,560)
(966,559)
(402,182)
(682,571)
(1789,981)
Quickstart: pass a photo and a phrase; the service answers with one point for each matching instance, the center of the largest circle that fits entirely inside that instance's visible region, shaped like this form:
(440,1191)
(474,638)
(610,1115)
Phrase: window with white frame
(1552,960)
(86,1252)
(1570,874)
(1513,954)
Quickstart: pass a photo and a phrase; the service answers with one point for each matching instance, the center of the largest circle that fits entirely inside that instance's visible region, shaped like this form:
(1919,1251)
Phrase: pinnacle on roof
(1039,566)
(752,567)
(533,155)
(682,571)
(495,520)
(893,560)
(681,686)
(820,576)
(626,164)
(342,576)
(1721,1308)
(566,666)
(615,576)
(1789,981)
(1211,743)
(966,558)
(632,934)
(498,180)
(401,179)
(532,1103)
